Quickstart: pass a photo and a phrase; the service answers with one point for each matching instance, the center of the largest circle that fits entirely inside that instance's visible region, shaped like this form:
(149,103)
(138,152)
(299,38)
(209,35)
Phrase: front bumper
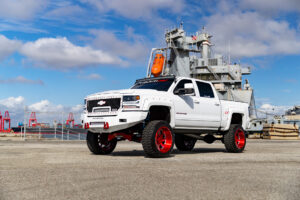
(120,121)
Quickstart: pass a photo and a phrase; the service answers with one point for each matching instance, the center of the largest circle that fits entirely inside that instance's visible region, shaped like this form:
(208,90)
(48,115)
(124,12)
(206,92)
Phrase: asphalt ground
(67,170)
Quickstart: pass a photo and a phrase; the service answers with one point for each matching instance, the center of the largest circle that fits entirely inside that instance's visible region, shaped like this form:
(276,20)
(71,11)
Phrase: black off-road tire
(184,143)
(232,143)
(99,144)
(149,141)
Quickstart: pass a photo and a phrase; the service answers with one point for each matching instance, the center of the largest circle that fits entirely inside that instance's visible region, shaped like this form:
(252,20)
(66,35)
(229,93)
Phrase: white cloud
(21,9)
(92,76)
(15,107)
(249,34)
(22,80)
(7,46)
(77,109)
(63,10)
(42,106)
(46,107)
(48,112)
(134,47)
(287,91)
(273,109)
(265,108)
(141,9)
(291,80)
(271,6)
(13,102)
(60,53)
(19,26)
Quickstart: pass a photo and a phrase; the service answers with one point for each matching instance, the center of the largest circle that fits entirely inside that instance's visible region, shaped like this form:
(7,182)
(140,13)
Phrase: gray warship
(293,111)
(191,56)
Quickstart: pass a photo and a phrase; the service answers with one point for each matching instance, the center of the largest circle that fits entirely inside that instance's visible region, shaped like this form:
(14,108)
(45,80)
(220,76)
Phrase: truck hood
(127,91)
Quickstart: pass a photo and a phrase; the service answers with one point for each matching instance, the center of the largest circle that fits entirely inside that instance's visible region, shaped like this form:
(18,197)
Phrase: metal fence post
(78,135)
(24,131)
(24,124)
(68,134)
(55,132)
(62,125)
(39,133)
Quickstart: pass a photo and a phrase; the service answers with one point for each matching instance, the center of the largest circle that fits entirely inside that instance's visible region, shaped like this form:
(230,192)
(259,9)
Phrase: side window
(205,90)
(181,84)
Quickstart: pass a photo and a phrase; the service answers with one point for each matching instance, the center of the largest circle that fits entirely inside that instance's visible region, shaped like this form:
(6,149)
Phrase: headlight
(131,98)
(131,102)
(84,105)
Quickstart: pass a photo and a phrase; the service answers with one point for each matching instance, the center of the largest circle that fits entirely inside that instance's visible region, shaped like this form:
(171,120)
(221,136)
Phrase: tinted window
(181,84)
(205,90)
(160,85)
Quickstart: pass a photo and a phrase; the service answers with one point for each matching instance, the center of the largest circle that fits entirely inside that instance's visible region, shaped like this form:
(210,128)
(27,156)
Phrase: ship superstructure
(294,111)
(191,56)
(292,116)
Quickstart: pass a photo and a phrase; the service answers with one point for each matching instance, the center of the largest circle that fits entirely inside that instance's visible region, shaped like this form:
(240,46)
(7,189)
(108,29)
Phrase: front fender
(161,101)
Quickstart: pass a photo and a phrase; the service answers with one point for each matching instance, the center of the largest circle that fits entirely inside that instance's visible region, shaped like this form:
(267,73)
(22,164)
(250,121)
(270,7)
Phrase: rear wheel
(158,139)
(235,139)
(184,143)
(99,144)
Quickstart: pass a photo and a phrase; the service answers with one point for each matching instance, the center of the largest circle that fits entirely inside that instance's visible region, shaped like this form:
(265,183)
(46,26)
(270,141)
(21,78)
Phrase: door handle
(196,101)
(217,104)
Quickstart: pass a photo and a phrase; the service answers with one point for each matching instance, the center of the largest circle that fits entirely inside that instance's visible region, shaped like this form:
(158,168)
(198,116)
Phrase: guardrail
(52,133)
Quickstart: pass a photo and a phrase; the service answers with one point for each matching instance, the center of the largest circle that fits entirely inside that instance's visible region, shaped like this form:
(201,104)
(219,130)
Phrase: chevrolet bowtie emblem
(101,103)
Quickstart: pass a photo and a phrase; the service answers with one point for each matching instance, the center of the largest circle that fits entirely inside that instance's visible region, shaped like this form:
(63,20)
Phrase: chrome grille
(113,103)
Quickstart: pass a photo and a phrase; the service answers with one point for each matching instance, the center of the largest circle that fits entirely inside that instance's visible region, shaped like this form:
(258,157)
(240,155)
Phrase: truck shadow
(200,150)
(136,153)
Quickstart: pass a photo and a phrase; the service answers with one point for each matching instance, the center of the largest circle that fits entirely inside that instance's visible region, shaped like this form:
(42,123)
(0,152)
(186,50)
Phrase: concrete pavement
(67,170)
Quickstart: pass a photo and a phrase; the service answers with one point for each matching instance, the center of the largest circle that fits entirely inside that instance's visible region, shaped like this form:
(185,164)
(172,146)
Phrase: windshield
(156,84)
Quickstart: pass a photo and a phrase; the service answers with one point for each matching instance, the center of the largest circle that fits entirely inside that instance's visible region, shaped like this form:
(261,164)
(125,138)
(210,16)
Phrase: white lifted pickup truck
(159,112)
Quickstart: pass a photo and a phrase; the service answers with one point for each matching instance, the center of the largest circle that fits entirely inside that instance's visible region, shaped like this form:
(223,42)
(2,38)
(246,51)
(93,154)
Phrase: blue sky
(54,53)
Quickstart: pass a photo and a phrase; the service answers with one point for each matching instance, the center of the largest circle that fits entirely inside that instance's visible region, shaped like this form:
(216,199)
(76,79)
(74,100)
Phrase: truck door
(184,107)
(207,106)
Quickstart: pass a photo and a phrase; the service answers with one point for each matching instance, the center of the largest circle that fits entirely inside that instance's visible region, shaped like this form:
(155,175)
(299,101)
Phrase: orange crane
(32,119)
(70,119)
(1,123)
(6,119)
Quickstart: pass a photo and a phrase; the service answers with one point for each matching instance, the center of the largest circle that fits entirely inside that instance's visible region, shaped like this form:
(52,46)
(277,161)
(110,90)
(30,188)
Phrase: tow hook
(106,125)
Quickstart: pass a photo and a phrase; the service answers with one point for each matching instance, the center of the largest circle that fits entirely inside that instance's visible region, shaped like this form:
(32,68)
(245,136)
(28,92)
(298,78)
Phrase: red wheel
(158,139)
(240,138)
(163,139)
(235,139)
(99,144)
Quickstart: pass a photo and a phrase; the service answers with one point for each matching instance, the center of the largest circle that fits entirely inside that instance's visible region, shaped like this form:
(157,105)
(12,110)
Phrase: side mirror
(184,91)
(188,89)
(188,86)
